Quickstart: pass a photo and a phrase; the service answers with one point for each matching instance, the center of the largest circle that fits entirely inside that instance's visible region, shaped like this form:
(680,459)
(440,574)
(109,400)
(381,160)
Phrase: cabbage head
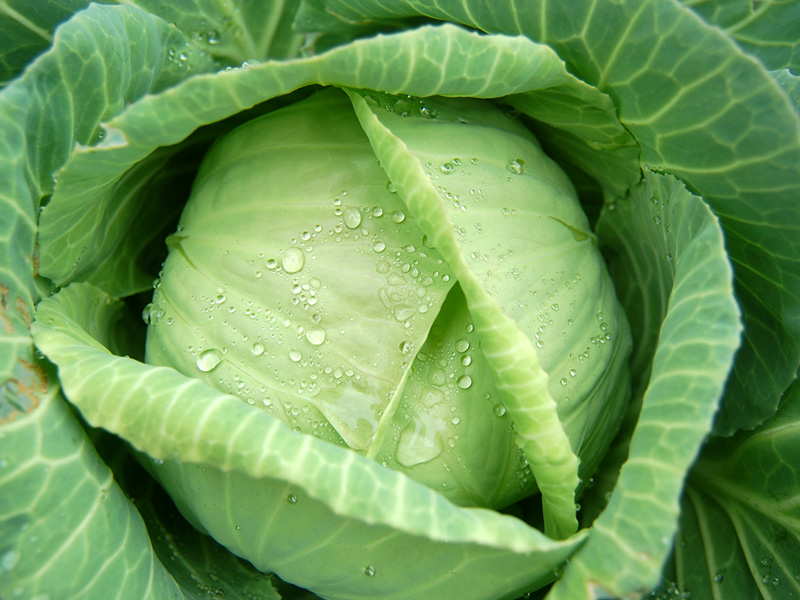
(399,300)
(297,282)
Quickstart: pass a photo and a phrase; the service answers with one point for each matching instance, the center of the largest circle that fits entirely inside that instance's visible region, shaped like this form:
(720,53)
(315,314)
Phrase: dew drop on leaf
(516,166)
(403,312)
(293,260)
(257,348)
(351,217)
(208,359)
(315,336)
(437,377)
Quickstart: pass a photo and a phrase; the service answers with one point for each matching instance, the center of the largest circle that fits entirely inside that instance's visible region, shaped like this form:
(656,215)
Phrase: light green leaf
(666,242)
(358,535)
(200,566)
(740,522)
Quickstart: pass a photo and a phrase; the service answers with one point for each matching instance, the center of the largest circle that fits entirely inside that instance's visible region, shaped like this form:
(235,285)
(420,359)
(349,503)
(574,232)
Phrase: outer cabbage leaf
(669,258)
(740,523)
(232,32)
(766,29)
(360,534)
(66,529)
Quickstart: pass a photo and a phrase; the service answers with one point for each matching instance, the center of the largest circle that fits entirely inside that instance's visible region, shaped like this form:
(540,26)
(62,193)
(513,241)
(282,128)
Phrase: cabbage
(399,300)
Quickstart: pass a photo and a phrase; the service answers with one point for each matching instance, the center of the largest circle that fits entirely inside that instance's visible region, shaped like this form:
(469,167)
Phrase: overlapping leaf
(669,248)
(264,485)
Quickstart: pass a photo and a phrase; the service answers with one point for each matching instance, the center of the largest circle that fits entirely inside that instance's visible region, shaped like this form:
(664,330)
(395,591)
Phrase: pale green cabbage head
(300,281)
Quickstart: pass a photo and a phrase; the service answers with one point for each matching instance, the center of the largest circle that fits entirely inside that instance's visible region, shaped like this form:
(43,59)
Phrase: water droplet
(379,247)
(466,360)
(398,216)
(208,359)
(377,211)
(295,356)
(448,168)
(573,372)
(718,577)
(428,113)
(257,348)
(146,313)
(351,217)
(657,219)
(499,410)
(291,499)
(220,299)
(564,381)
(464,382)
(315,336)
(9,560)
(271,263)
(369,571)
(437,377)
(462,345)
(293,260)
(516,166)
(403,312)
